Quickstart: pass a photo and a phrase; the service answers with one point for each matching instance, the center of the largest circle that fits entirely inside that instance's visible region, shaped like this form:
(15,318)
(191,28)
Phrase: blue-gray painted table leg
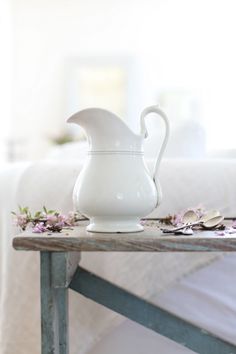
(54,311)
(57,269)
(49,313)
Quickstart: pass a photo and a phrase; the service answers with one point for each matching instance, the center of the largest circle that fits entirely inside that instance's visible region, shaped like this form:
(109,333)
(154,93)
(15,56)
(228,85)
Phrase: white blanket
(206,298)
(185,184)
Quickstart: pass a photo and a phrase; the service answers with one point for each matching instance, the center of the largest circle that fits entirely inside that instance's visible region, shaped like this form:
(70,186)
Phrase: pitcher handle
(146,111)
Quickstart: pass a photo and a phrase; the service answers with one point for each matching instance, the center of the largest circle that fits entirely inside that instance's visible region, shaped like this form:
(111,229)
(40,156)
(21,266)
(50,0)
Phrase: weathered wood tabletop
(150,240)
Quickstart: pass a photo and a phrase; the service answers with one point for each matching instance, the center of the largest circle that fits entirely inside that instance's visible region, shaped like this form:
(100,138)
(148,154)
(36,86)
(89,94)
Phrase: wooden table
(60,254)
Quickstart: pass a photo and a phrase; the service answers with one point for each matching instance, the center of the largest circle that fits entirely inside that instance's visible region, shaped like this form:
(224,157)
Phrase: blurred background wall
(60,56)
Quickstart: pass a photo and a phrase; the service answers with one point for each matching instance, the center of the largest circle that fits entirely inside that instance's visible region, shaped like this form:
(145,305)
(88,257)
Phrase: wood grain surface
(149,240)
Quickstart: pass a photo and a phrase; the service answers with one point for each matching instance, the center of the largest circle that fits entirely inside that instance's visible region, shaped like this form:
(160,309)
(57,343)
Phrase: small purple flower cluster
(228,230)
(177,219)
(39,228)
(45,220)
(21,220)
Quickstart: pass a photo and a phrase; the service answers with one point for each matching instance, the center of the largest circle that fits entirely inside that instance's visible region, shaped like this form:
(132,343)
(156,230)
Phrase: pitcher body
(115,189)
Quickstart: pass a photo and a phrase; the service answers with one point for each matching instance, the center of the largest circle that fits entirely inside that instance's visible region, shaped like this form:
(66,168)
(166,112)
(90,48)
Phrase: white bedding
(185,183)
(205,298)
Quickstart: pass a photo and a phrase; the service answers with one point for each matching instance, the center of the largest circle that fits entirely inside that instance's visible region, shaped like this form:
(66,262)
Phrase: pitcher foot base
(114,225)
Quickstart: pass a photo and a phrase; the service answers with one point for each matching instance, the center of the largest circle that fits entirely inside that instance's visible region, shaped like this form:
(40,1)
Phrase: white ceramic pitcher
(115,189)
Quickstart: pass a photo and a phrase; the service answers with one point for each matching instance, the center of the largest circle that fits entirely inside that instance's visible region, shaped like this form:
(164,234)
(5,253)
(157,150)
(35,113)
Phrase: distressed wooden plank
(61,299)
(64,264)
(150,240)
(54,308)
(49,340)
(147,314)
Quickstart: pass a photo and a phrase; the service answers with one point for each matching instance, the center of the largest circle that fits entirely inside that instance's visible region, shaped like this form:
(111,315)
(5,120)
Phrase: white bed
(205,298)
(94,329)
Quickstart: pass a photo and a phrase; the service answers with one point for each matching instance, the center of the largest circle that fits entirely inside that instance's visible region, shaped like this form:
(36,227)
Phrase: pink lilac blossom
(199,210)
(177,219)
(227,231)
(71,218)
(232,231)
(62,219)
(221,233)
(44,220)
(39,228)
(21,220)
(56,222)
(51,219)
(56,219)
(60,224)
(234,224)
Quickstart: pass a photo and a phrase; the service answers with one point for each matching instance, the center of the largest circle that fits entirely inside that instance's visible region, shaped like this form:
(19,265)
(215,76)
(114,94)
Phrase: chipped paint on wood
(57,270)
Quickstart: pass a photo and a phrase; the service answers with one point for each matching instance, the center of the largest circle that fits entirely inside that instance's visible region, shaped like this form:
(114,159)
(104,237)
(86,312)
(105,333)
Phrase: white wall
(5,75)
(184,44)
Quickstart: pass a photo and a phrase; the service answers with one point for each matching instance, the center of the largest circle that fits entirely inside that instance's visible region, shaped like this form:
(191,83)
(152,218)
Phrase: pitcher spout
(105,131)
